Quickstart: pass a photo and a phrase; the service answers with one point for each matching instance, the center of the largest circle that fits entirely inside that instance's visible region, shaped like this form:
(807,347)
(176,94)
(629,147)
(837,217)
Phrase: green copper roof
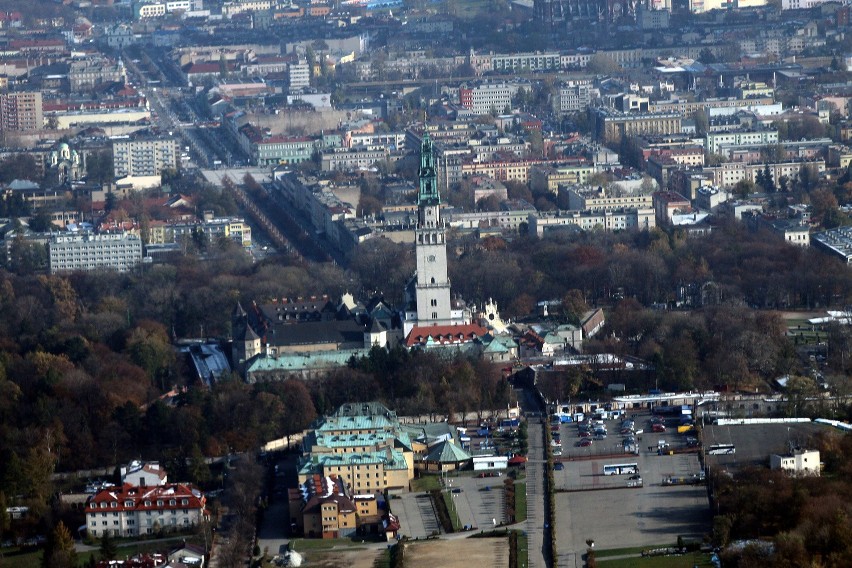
(445,452)
(391,458)
(428,194)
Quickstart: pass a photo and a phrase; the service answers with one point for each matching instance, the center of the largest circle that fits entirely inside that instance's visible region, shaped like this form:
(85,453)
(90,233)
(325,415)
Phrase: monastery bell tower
(432,287)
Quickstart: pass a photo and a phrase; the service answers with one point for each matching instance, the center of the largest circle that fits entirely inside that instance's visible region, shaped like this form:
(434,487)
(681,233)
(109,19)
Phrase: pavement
(416,515)
(536,514)
(603,508)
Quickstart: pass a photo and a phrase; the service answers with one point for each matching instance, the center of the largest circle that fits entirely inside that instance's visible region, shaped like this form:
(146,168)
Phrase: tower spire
(428,194)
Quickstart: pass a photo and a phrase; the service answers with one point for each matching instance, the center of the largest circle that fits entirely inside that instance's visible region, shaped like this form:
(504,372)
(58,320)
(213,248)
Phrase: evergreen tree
(769,181)
(109,550)
(59,552)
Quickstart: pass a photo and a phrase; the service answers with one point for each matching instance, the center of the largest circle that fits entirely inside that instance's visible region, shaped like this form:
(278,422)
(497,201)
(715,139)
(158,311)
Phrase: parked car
(585,442)
(558,466)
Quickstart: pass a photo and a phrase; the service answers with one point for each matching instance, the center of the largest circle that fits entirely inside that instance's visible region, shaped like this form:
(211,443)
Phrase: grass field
(425,483)
(32,559)
(699,559)
(621,551)
(520,502)
(300,544)
(523,549)
(451,509)
(804,333)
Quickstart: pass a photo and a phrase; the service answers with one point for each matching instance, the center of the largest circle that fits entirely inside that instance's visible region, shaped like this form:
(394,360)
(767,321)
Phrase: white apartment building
(574,59)
(728,174)
(714,140)
(135,511)
(611,220)
(585,198)
(801,4)
(230,9)
(526,62)
(144,156)
(157,9)
(68,252)
(482,99)
(299,76)
(573,96)
(349,159)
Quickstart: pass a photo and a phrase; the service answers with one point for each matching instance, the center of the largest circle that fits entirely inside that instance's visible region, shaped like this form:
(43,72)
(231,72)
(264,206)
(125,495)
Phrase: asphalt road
(535,495)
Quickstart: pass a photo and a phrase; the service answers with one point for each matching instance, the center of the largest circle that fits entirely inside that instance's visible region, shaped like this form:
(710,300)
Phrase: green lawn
(622,551)
(22,559)
(520,502)
(700,559)
(523,549)
(808,334)
(301,544)
(451,509)
(425,483)
(14,557)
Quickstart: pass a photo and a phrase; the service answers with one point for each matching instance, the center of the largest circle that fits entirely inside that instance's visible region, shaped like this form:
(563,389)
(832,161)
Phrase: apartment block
(715,140)
(612,125)
(69,252)
(573,96)
(610,220)
(585,198)
(144,156)
(483,99)
(21,111)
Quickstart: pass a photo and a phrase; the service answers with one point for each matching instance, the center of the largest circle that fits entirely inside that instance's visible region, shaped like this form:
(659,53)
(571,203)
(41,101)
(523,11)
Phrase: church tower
(431,284)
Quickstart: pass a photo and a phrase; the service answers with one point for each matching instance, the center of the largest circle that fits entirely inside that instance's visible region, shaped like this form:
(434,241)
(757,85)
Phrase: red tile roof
(161,497)
(445,334)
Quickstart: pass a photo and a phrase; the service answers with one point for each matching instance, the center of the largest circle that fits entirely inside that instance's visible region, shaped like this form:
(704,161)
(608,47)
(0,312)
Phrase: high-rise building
(144,156)
(21,111)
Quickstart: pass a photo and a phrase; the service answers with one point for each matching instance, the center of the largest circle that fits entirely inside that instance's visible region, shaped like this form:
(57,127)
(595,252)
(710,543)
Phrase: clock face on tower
(431,258)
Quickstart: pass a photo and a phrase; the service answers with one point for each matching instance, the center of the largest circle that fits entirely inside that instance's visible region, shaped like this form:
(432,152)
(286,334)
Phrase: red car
(658,428)
(585,442)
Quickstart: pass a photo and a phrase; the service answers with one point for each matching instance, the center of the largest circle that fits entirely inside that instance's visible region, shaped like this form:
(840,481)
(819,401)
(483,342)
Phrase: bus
(621,469)
(721,450)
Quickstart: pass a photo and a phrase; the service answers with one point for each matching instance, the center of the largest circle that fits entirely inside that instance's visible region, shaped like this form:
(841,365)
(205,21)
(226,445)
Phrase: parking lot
(416,515)
(755,442)
(475,505)
(617,511)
